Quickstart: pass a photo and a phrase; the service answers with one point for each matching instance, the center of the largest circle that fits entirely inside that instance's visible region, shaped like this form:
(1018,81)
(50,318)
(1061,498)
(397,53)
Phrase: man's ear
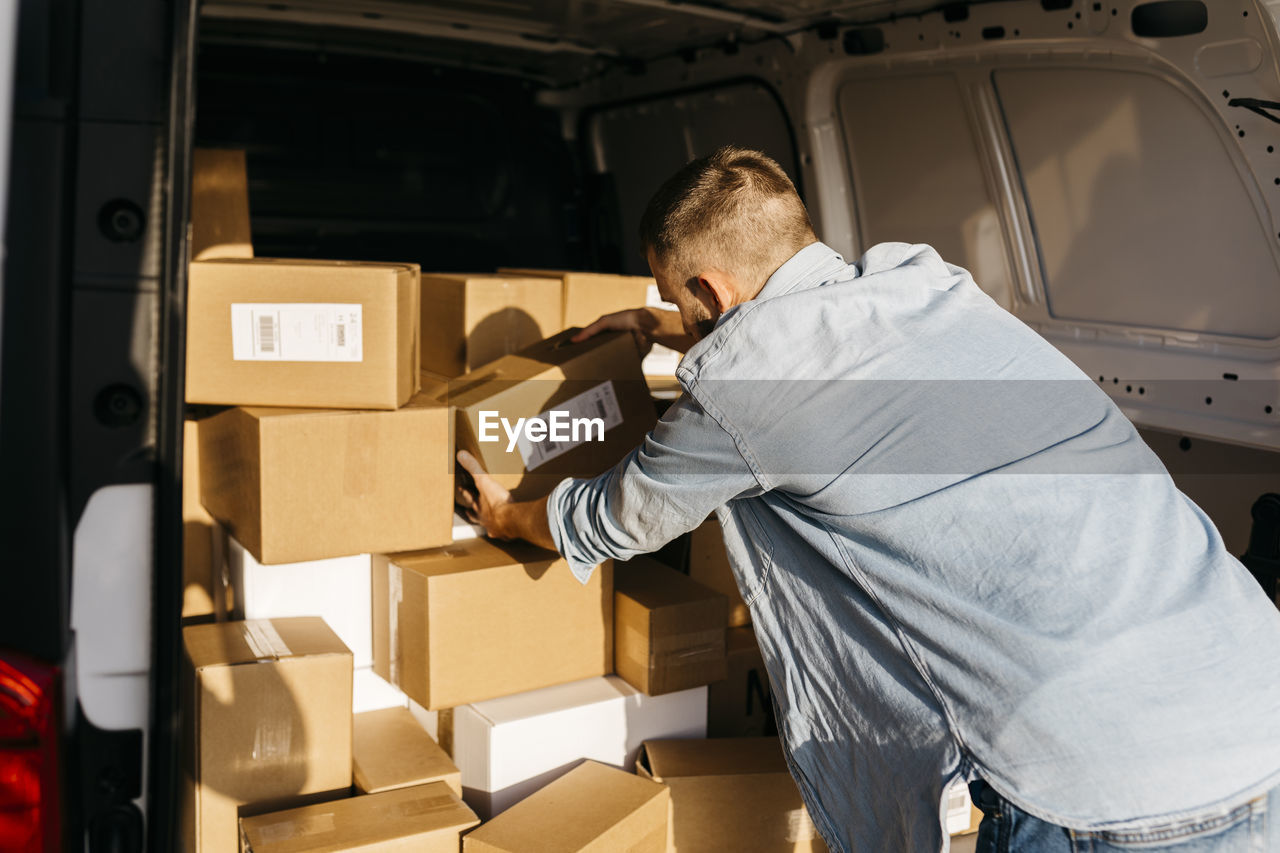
(720,286)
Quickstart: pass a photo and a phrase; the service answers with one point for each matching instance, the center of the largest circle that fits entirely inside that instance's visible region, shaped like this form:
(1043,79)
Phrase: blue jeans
(1244,829)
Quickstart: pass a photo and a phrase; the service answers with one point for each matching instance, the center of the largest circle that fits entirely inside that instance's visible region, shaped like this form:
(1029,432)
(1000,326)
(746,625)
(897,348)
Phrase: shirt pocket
(752,554)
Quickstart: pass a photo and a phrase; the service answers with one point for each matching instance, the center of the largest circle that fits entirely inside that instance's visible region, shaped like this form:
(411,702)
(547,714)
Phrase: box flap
(670,759)
(588,802)
(230,643)
(389,750)
(472,555)
(405,813)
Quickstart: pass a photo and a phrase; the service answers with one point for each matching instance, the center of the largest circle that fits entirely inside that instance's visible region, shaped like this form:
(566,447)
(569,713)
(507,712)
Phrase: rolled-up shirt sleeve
(687,467)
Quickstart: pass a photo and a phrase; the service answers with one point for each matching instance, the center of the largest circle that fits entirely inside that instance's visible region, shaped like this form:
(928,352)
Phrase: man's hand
(647,327)
(491,507)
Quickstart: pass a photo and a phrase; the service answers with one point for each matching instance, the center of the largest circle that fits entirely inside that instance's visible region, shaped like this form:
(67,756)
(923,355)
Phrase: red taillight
(29,799)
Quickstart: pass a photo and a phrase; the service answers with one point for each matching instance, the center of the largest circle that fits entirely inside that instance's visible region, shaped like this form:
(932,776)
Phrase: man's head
(718,228)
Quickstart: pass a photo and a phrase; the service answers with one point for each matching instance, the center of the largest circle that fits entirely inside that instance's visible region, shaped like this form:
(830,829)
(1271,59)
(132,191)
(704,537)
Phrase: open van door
(90,419)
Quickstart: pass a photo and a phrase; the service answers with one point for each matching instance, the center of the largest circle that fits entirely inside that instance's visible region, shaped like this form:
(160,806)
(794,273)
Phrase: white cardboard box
(509,747)
(338,590)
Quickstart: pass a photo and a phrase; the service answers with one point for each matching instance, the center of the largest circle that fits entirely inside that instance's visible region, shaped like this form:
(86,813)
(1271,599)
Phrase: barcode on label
(296,331)
(266,333)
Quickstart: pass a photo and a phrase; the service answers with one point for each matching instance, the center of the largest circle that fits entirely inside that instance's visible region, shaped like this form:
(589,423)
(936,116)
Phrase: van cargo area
(269,264)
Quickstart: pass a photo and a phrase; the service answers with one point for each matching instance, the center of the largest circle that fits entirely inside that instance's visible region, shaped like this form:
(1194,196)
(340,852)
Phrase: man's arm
(686,468)
(648,326)
(491,506)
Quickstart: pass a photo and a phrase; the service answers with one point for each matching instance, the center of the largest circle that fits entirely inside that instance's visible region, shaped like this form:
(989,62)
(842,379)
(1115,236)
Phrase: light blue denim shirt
(959,556)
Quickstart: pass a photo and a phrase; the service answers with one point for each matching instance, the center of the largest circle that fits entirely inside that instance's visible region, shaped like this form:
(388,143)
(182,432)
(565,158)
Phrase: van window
(916,173)
(1141,214)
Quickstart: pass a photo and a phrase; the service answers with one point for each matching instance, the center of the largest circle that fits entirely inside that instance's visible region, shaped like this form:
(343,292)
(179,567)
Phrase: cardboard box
(481,619)
(424,818)
(730,794)
(668,630)
(303,484)
(219,205)
(588,296)
(741,705)
(202,596)
(267,707)
(331,334)
(591,809)
(470,320)
(597,379)
(509,747)
(336,589)
(390,750)
(709,565)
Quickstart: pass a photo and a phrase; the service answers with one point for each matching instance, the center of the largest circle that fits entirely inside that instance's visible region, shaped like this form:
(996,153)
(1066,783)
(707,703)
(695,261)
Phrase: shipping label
(329,331)
(585,417)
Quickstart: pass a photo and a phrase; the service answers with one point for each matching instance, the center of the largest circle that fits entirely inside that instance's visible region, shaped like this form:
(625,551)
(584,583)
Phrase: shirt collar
(809,267)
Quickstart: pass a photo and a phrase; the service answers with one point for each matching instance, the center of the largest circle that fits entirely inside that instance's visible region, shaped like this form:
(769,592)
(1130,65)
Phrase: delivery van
(1108,171)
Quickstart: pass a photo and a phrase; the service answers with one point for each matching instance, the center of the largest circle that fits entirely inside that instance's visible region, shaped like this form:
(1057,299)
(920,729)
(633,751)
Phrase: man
(960,558)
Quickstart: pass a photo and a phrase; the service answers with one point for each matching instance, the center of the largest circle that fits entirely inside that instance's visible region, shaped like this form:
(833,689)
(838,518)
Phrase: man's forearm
(524,520)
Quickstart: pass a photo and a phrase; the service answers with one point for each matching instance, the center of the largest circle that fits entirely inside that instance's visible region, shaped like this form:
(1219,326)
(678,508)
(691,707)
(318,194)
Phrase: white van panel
(1139,208)
(111,606)
(918,176)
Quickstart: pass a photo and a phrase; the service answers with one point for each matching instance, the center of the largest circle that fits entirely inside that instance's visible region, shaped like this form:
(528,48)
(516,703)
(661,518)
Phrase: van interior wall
(375,158)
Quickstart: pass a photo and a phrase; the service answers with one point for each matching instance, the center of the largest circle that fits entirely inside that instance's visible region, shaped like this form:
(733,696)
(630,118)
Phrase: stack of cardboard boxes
(362,671)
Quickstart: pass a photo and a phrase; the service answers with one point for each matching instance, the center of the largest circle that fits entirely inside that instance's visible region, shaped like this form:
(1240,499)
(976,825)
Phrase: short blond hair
(735,209)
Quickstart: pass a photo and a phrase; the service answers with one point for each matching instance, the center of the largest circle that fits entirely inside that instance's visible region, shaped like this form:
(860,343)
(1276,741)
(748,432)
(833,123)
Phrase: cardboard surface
(481,619)
(709,565)
(384,376)
(428,818)
(669,630)
(336,589)
(267,708)
(219,205)
(730,794)
(509,747)
(741,705)
(548,376)
(202,594)
(470,320)
(301,484)
(588,296)
(389,750)
(591,809)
